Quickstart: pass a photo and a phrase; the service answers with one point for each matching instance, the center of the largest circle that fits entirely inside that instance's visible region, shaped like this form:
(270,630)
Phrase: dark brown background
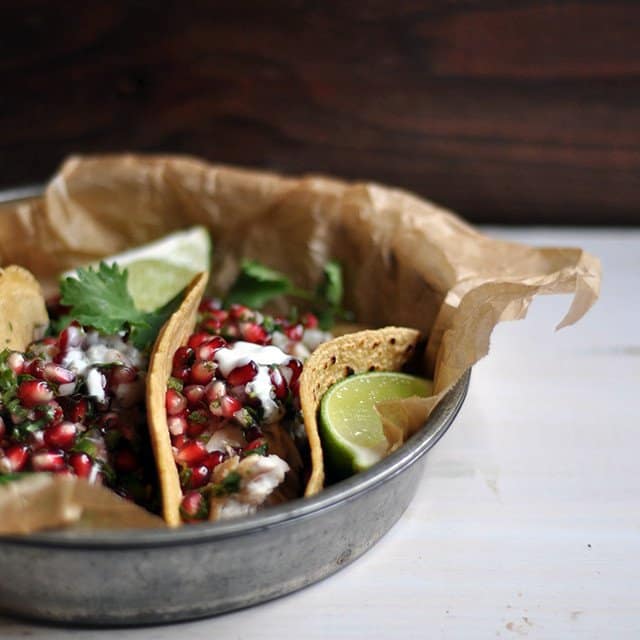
(508,111)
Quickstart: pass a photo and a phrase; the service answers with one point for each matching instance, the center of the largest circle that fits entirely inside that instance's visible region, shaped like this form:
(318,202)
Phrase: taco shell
(23,313)
(174,334)
(387,349)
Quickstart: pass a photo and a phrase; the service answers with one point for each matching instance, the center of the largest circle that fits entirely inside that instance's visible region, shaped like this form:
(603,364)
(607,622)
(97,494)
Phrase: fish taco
(72,398)
(232,399)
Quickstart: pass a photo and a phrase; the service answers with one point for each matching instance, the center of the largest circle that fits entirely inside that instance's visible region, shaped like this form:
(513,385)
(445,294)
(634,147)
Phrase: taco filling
(74,404)
(233,410)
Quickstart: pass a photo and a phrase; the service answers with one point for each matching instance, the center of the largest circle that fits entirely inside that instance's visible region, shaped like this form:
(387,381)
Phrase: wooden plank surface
(506,110)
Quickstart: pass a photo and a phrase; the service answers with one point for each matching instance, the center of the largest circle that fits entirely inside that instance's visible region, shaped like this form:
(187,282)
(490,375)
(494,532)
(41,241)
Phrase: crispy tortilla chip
(173,335)
(23,313)
(387,349)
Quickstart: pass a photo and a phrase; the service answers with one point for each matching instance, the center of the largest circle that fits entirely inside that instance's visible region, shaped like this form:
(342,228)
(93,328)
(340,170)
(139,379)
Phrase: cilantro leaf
(144,334)
(256,285)
(331,289)
(99,298)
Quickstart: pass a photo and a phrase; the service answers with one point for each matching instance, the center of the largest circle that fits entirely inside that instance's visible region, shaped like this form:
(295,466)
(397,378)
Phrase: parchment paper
(406,261)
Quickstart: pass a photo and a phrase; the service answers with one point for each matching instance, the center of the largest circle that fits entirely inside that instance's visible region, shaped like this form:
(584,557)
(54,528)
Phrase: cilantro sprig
(99,298)
(256,285)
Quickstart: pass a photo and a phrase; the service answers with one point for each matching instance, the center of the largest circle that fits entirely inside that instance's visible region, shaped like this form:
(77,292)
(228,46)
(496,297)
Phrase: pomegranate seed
(211,325)
(239,312)
(215,391)
(123,374)
(36,440)
(16,362)
(214,459)
(191,453)
(194,394)
(79,410)
(197,339)
(71,337)
(252,434)
(295,366)
(177,425)
(256,443)
(209,304)
(231,331)
(178,441)
(175,402)
(48,461)
(199,476)
(309,321)
(35,368)
(81,464)
(181,373)
(279,383)
(207,350)
(194,507)
(242,375)
(16,456)
(183,357)
(229,405)
(125,460)
(53,412)
(59,375)
(61,436)
(294,332)
(253,332)
(34,392)
(195,429)
(221,315)
(202,373)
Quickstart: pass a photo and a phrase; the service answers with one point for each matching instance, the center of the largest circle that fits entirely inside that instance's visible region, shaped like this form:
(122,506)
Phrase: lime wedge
(161,269)
(350,428)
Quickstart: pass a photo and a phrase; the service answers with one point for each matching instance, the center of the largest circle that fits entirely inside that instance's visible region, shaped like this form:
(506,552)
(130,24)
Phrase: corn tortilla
(173,335)
(23,313)
(387,349)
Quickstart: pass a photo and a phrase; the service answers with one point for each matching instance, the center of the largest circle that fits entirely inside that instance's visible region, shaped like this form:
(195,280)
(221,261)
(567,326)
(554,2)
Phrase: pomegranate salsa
(233,410)
(74,404)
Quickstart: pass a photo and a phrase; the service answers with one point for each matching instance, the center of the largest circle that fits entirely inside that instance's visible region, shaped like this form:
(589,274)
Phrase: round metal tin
(155,576)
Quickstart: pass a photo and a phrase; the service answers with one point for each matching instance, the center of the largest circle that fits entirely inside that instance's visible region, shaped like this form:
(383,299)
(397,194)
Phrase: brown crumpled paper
(406,261)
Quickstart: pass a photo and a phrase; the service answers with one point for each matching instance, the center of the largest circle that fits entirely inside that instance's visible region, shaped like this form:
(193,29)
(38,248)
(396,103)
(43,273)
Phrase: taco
(72,380)
(232,400)
(224,411)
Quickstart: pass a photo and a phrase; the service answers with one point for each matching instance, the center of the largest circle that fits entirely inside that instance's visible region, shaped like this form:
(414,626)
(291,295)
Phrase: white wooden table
(527,520)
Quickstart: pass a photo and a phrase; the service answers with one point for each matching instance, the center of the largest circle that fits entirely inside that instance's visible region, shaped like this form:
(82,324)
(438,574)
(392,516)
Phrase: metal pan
(155,576)
(141,577)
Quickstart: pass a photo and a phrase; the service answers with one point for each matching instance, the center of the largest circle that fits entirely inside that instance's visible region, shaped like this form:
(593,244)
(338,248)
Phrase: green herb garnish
(256,285)
(99,298)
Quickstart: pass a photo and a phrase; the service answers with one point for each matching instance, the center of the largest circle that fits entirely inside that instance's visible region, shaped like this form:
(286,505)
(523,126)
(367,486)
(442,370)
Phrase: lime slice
(350,428)
(161,269)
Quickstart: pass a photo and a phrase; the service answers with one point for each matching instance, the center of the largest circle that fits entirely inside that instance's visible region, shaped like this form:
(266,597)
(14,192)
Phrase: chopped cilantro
(261,450)
(175,383)
(6,478)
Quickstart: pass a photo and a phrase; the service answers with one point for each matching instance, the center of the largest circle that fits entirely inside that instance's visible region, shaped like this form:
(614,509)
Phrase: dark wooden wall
(506,110)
